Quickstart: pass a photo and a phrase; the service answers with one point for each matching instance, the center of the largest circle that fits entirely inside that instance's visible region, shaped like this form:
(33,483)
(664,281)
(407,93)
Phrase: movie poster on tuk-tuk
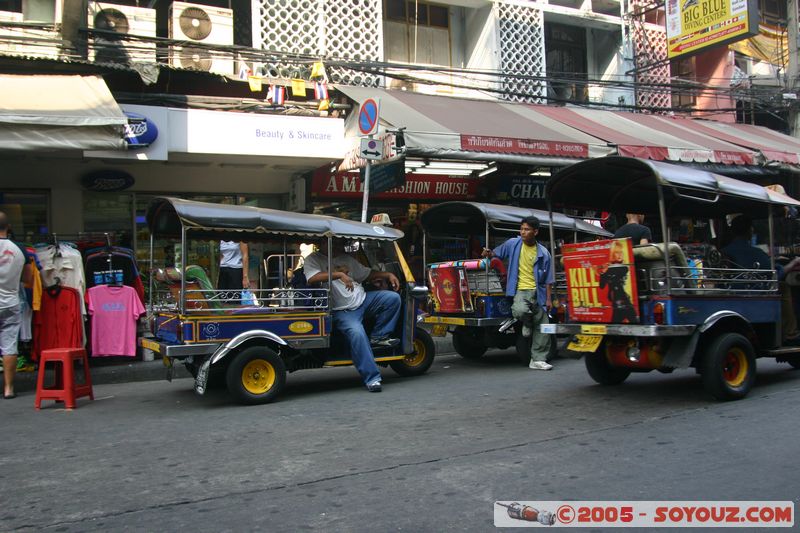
(448,285)
(601,282)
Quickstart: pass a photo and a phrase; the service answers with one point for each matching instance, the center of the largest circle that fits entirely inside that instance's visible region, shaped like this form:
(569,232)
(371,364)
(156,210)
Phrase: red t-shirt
(58,323)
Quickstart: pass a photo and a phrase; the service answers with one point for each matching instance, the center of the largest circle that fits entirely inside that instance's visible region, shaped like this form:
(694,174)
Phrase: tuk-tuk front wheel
(602,371)
(256,375)
(421,359)
(468,342)
(729,367)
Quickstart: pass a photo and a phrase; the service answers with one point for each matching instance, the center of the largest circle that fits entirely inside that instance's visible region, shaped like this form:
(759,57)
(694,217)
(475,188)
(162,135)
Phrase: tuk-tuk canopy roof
(626,184)
(472,217)
(166,216)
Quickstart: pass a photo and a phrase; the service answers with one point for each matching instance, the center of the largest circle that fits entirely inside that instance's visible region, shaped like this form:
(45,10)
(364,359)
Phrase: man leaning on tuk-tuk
(530,280)
(350,303)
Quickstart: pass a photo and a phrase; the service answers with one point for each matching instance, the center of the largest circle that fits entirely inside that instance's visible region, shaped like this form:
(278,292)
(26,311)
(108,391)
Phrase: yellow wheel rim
(258,376)
(416,358)
(734,367)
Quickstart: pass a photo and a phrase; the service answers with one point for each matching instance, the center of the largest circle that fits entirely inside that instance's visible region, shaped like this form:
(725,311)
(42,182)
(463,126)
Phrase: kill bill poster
(601,282)
(449,290)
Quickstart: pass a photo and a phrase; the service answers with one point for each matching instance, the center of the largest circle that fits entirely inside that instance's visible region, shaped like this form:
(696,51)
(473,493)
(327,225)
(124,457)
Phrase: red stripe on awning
(577,121)
(656,153)
(682,128)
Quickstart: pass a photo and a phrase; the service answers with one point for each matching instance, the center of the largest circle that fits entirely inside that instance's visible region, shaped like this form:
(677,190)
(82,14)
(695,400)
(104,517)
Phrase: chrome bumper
(619,330)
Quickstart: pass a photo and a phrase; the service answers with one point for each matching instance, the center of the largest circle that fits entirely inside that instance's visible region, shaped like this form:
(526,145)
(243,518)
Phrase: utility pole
(792,69)
(74,19)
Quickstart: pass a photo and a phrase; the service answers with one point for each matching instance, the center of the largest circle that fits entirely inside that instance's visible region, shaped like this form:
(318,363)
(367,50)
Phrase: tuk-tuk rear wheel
(468,342)
(728,367)
(256,375)
(602,371)
(421,360)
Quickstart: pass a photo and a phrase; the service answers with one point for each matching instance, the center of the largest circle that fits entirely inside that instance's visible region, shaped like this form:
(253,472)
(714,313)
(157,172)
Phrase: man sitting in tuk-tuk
(746,256)
(350,303)
(530,281)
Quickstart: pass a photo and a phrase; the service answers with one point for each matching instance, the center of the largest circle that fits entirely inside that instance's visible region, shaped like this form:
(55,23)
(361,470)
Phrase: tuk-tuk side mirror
(419,292)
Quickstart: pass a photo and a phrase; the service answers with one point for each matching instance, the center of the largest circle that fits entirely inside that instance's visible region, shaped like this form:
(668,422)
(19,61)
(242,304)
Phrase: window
(426,14)
(773,12)
(565,53)
(683,74)
(27,213)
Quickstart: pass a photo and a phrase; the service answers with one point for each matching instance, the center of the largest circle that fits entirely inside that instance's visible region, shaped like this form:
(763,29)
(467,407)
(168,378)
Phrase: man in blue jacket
(530,280)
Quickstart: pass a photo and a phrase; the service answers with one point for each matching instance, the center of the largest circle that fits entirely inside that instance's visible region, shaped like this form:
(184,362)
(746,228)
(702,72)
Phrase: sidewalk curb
(138,370)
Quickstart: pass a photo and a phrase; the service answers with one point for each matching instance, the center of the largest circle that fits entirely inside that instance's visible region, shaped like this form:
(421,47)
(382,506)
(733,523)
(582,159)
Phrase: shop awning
(45,112)
(652,137)
(459,128)
(774,146)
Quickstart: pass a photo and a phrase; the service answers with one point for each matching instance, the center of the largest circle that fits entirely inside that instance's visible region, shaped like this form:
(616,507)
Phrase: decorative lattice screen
(649,47)
(521,51)
(343,29)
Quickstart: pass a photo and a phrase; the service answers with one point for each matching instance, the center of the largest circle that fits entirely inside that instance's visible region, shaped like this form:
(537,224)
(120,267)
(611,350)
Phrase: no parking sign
(368,116)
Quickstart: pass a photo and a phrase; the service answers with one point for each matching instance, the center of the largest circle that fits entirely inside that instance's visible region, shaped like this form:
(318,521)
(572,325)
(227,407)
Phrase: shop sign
(693,25)
(198,131)
(344,185)
(505,145)
(140,132)
(521,189)
(386,176)
(107,181)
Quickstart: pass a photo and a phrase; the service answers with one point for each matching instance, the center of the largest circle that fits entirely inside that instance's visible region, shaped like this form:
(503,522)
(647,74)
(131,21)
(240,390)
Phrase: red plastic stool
(65,390)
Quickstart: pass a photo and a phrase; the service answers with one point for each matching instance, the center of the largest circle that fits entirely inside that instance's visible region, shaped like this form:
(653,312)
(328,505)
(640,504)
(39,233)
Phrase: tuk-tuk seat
(651,255)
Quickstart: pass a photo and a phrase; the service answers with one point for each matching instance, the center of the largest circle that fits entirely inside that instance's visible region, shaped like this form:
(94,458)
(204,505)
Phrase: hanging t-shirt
(230,254)
(114,312)
(58,324)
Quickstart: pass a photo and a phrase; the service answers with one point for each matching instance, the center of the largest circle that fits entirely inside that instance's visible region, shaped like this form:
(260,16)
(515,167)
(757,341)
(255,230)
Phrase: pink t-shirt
(114,312)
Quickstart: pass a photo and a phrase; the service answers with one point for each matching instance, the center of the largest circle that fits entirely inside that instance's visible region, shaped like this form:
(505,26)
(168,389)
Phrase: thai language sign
(696,24)
(601,282)
(505,145)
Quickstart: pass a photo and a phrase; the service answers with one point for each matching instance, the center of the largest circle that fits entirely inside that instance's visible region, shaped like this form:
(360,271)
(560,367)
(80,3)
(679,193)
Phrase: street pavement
(430,453)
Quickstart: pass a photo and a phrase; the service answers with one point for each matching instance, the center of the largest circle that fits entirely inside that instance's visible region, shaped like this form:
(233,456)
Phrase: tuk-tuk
(680,302)
(251,339)
(467,295)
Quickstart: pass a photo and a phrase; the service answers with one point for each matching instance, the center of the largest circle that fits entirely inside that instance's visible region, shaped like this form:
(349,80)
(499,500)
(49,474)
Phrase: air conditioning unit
(201,24)
(28,42)
(123,21)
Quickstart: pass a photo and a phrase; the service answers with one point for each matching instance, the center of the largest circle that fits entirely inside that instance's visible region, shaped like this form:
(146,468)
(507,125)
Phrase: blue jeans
(385,307)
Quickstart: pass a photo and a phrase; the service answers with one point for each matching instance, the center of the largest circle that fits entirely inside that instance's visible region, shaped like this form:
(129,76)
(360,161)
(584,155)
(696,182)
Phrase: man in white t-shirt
(12,267)
(350,303)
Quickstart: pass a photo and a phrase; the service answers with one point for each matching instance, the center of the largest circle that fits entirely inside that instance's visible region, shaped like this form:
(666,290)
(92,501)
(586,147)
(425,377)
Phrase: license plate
(439,330)
(585,343)
(594,329)
(149,345)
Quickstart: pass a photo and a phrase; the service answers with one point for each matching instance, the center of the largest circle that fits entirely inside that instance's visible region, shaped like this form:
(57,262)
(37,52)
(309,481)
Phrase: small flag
(324,105)
(298,87)
(255,83)
(318,70)
(244,70)
(276,95)
(320,90)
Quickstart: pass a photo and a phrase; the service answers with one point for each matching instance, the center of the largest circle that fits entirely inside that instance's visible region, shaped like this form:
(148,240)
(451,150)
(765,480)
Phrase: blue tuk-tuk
(251,340)
(467,293)
(680,302)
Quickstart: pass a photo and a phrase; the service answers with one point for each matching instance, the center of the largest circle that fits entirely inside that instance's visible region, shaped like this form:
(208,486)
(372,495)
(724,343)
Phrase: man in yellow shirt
(530,280)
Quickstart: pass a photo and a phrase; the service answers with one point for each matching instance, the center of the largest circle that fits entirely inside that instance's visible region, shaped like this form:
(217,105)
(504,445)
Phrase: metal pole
(330,269)
(793,68)
(771,240)
(366,190)
(662,211)
(152,273)
(488,261)
(183,272)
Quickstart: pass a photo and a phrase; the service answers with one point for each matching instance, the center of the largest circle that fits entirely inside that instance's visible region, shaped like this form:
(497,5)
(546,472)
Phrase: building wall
(715,67)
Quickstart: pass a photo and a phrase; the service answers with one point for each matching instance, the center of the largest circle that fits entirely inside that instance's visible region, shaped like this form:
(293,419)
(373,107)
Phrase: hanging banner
(693,25)
(601,282)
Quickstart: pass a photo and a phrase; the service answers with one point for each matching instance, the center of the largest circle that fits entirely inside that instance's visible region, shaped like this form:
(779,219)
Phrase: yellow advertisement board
(693,25)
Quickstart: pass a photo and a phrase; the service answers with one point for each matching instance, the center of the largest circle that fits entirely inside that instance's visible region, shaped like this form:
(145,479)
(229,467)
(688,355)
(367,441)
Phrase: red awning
(651,136)
(773,145)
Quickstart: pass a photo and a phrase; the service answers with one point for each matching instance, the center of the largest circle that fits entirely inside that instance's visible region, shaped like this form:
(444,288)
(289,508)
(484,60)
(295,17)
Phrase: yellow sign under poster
(693,25)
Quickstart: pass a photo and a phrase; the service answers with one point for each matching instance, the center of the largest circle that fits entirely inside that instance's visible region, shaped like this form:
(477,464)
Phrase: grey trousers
(527,310)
